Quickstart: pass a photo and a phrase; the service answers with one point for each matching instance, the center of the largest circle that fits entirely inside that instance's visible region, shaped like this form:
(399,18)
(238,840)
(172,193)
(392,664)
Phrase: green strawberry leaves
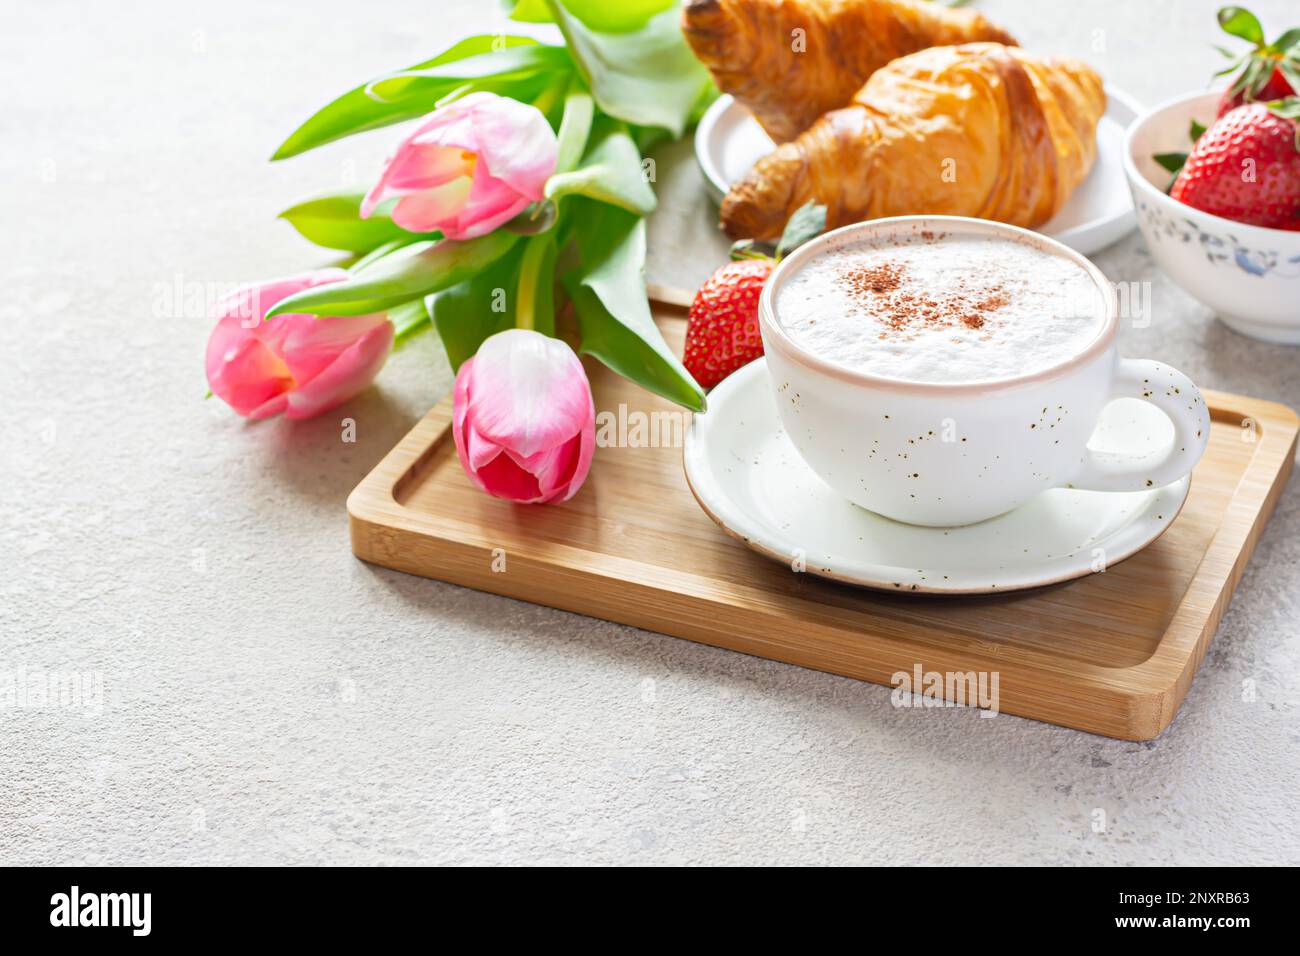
(1263,59)
(1171,161)
(1288,108)
(807,222)
(1240,22)
(748,249)
(1174,162)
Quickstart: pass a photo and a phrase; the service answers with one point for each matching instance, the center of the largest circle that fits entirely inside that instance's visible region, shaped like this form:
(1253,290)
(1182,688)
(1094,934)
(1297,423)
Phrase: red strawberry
(1269,71)
(1246,167)
(1275,89)
(722,331)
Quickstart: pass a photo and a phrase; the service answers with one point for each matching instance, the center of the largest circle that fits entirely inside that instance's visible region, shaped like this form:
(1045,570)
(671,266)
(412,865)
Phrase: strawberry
(1271,70)
(1246,167)
(722,329)
(1275,88)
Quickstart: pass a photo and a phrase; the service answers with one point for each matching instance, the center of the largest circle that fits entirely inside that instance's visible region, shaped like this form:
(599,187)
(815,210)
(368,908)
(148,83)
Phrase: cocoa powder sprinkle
(879,278)
(884,288)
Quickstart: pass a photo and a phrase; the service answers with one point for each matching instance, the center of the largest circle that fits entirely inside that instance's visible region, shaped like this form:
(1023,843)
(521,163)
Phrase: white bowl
(1249,275)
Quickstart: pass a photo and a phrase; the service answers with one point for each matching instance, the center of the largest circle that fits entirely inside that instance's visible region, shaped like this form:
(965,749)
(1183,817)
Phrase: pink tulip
(297,364)
(523,419)
(472,165)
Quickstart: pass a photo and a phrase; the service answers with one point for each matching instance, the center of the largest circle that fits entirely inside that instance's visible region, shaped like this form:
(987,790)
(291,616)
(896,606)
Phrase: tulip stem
(575,126)
(550,95)
(530,269)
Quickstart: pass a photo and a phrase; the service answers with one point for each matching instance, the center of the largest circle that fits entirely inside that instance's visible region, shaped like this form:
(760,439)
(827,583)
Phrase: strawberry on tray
(722,332)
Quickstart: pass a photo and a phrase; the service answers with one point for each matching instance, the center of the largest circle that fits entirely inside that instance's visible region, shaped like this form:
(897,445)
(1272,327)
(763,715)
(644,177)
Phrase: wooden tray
(1112,653)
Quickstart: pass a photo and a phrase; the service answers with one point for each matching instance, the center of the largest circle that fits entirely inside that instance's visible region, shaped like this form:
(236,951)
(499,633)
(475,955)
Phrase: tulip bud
(470,166)
(297,364)
(523,418)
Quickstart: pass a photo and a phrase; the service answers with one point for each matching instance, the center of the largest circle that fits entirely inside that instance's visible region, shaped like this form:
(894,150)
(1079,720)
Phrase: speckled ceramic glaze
(747,476)
(952,454)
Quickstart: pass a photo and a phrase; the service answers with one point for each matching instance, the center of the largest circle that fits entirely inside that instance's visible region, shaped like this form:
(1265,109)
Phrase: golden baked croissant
(978,130)
(789,79)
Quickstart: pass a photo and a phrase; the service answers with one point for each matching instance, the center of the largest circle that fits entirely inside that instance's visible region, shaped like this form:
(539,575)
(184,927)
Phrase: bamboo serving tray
(1112,653)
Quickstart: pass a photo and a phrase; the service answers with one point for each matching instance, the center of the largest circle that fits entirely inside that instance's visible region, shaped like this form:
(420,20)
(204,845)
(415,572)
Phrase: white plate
(729,141)
(750,480)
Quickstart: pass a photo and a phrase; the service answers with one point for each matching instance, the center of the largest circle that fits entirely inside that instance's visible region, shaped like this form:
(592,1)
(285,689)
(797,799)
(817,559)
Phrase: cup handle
(1174,394)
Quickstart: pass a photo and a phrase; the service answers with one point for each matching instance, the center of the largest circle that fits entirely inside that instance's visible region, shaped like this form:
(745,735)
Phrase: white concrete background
(269,699)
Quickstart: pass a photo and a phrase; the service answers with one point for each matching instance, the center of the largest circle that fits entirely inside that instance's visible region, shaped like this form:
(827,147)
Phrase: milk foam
(936,308)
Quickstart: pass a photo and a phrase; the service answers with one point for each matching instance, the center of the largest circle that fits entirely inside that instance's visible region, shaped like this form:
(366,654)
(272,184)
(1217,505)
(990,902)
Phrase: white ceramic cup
(973,449)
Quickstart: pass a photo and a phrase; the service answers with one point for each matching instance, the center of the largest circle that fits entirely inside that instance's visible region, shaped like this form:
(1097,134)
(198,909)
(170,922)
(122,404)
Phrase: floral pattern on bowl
(1217,249)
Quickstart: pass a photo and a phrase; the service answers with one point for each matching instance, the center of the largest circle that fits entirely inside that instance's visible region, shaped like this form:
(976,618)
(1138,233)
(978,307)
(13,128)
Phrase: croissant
(979,130)
(790,61)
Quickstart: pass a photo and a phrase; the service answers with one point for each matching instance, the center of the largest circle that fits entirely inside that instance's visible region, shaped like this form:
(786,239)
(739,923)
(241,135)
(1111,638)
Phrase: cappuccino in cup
(940,370)
(940,307)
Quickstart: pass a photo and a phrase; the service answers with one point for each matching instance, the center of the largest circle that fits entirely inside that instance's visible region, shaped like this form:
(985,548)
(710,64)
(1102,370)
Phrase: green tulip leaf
(602,15)
(430,84)
(575,127)
(515,291)
(537,218)
(611,172)
(409,319)
(482,305)
(354,111)
(413,270)
(535,291)
(377,253)
(527,11)
(647,77)
(334,222)
(609,297)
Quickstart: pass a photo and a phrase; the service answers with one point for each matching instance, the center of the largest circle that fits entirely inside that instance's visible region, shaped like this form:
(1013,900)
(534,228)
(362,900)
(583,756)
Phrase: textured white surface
(269,699)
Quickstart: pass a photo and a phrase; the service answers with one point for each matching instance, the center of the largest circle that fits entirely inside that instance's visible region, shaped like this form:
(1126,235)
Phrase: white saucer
(750,480)
(728,141)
